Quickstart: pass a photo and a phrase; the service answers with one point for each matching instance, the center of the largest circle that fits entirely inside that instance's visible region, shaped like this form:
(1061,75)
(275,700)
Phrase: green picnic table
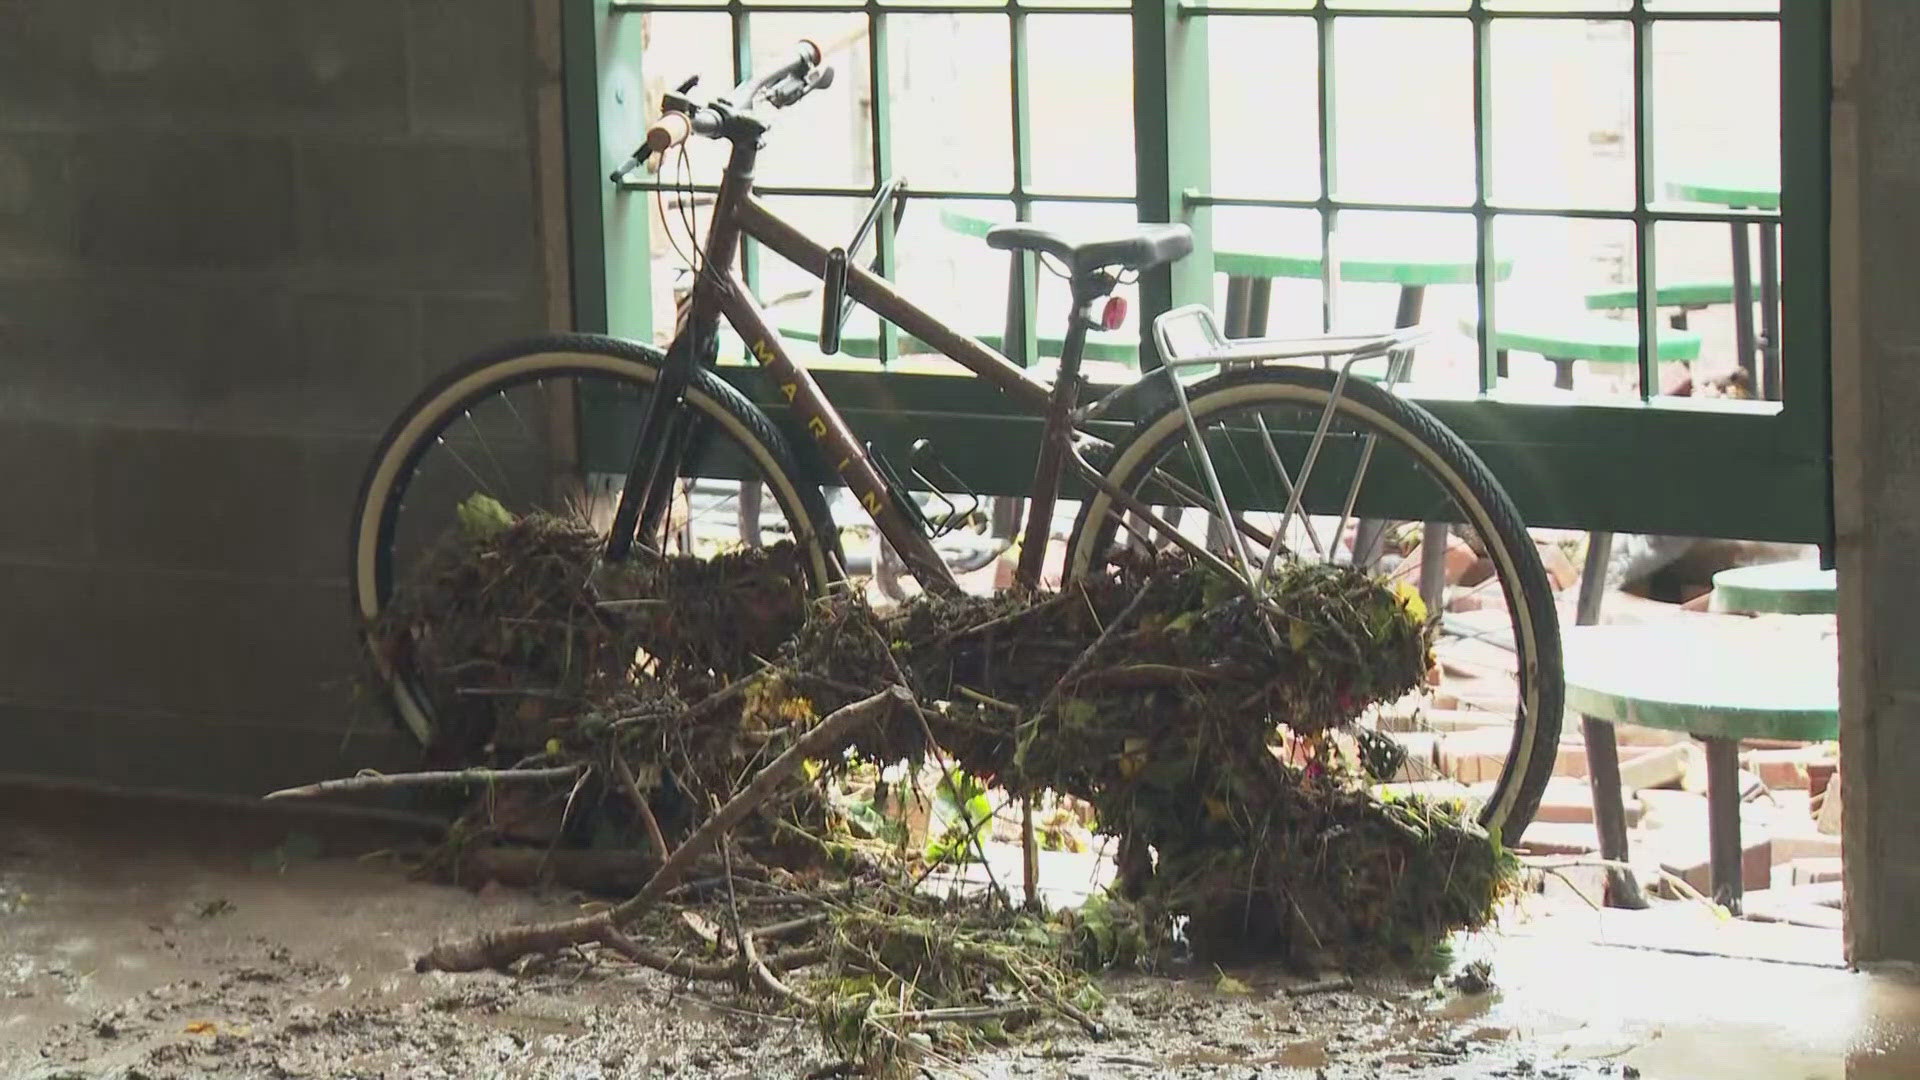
(1719,683)
(1747,192)
(1251,262)
(1788,588)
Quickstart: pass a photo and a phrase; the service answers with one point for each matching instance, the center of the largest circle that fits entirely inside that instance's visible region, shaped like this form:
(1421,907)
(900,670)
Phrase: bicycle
(1185,443)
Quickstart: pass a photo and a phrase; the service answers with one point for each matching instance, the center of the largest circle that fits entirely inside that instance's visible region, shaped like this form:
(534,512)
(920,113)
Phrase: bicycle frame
(720,292)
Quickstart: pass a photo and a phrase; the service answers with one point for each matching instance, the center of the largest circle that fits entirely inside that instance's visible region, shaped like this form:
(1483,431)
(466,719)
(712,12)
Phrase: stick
(1320,986)
(645,812)
(499,948)
(383,781)
(1029,854)
(946,773)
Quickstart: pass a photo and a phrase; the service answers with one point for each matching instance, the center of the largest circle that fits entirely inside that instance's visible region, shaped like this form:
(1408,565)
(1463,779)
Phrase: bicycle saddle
(1134,248)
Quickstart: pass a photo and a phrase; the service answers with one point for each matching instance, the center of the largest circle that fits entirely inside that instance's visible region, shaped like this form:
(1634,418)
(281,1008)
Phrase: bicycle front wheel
(1387,480)
(551,425)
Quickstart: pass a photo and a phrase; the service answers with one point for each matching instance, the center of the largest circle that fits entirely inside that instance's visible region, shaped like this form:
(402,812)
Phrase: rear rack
(1206,344)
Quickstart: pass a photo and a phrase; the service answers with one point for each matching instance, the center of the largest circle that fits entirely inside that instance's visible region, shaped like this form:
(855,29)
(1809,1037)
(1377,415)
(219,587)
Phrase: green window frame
(1760,470)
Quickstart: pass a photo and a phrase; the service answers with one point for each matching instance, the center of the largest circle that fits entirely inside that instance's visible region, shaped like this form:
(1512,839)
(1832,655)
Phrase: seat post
(1059,426)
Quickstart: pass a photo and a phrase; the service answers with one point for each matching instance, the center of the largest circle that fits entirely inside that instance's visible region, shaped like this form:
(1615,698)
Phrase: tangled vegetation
(1211,732)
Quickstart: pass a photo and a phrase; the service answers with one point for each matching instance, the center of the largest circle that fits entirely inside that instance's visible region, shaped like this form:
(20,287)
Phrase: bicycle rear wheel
(1384,459)
(549,425)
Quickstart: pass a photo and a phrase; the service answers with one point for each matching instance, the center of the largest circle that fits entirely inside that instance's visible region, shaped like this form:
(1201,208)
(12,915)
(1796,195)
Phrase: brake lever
(792,90)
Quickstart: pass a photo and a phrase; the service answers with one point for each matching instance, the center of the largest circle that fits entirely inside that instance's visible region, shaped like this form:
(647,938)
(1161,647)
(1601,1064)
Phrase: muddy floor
(158,940)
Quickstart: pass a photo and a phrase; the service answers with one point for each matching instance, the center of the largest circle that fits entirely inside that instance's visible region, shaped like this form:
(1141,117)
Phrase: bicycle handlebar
(781,87)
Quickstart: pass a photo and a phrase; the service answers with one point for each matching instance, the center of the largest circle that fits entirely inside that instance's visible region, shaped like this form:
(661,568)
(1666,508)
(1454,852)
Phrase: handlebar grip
(668,132)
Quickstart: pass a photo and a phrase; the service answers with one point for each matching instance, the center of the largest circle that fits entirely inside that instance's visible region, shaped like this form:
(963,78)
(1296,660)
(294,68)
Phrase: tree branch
(497,949)
(382,781)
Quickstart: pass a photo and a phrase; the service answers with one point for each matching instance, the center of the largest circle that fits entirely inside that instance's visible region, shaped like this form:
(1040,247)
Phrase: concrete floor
(168,940)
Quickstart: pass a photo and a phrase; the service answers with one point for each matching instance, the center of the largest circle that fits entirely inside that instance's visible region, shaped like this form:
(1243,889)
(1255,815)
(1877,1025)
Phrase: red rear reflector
(1114,314)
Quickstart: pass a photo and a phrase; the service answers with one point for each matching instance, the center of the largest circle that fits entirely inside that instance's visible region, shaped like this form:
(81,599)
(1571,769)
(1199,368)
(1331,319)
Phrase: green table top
(1404,260)
(1791,588)
(1708,677)
(1583,337)
(1748,193)
(1677,294)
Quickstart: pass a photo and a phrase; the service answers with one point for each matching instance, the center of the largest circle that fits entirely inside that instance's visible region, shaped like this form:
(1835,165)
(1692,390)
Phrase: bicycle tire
(1529,594)
(383,485)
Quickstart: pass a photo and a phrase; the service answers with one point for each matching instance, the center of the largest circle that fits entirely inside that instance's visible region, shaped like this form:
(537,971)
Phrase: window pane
(1403,109)
(1562,96)
(1559,5)
(1716,108)
(1713,5)
(792,295)
(1404,5)
(1566,315)
(946,267)
(827,139)
(1274,254)
(1415,268)
(1081,70)
(951,81)
(680,46)
(1693,265)
(1264,99)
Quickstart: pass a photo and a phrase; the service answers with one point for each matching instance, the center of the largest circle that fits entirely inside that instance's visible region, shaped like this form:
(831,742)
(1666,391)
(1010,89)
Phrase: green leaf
(483,518)
(1299,635)
(957,806)
(1227,984)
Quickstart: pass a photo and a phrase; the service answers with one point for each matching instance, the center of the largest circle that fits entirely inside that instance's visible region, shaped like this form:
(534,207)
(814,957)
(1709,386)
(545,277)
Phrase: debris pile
(713,715)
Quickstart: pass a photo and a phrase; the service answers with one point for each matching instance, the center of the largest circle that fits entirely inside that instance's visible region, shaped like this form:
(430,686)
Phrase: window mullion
(1024,283)
(880,117)
(1329,170)
(1646,274)
(1485,275)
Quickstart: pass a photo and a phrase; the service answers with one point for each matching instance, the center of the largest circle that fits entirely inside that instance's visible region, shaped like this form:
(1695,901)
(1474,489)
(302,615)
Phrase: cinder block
(182,201)
(245,756)
(357,361)
(1571,801)
(1474,756)
(1785,768)
(470,66)
(39,207)
(1687,856)
(49,742)
(186,500)
(46,489)
(221,63)
(331,470)
(454,327)
(217,647)
(448,214)
(1815,871)
(49,622)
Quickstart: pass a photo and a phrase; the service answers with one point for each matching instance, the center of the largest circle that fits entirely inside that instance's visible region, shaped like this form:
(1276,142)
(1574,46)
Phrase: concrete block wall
(235,237)
(1876,396)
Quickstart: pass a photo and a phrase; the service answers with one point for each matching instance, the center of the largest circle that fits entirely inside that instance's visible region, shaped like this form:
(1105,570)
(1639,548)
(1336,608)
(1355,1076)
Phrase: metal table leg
(1603,750)
(1769,388)
(750,491)
(1240,302)
(1743,338)
(1723,821)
